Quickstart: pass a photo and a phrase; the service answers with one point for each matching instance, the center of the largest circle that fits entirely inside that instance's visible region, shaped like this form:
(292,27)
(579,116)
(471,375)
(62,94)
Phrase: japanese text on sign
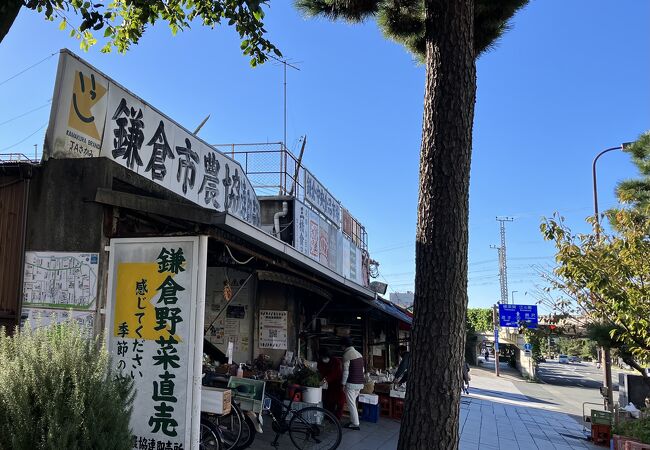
(317,195)
(273,329)
(516,315)
(95,117)
(151,330)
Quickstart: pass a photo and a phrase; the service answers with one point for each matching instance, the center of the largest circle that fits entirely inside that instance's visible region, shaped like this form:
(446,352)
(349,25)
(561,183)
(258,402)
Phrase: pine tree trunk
(9,10)
(432,407)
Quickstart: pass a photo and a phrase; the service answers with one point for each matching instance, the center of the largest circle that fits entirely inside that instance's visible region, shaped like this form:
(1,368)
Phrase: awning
(265,275)
(390,309)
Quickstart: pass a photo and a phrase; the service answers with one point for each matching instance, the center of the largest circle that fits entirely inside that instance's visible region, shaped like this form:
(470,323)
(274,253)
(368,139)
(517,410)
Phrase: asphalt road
(583,375)
(569,386)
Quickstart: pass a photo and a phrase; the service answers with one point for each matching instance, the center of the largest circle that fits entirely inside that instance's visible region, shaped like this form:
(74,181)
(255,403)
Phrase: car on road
(563,359)
(574,359)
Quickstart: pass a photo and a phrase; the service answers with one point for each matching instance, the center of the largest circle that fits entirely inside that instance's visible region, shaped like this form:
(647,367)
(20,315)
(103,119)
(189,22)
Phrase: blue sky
(570,79)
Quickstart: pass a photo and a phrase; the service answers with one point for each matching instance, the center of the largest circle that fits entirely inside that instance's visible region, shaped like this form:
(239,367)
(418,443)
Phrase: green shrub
(57,392)
(637,428)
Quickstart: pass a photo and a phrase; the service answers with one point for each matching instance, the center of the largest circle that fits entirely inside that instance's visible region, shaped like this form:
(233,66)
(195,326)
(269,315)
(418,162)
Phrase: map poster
(60,280)
(273,329)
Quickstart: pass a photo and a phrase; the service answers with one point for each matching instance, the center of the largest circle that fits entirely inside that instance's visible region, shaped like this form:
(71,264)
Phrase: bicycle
(309,428)
(210,437)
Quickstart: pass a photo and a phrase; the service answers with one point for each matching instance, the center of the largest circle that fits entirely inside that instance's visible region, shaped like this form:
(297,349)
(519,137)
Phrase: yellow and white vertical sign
(154,328)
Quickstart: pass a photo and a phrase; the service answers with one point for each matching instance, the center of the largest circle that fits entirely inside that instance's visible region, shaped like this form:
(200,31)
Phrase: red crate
(385,406)
(629,445)
(601,434)
(398,408)
(620,441)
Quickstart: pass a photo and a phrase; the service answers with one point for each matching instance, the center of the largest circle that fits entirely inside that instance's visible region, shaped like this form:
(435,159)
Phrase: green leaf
(63,25)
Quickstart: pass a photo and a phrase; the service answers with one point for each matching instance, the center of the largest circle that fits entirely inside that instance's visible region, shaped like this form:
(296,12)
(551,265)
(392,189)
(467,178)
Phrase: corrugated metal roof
(13,191)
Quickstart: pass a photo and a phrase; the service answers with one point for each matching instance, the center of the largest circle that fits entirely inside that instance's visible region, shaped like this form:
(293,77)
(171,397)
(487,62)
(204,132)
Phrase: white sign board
(321,199)
(273,329)
(154,327)
(92,116)
(60,280)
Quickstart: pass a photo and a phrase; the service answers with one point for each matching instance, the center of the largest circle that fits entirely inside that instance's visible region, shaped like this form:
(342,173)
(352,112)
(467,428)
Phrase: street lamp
(606,353)
(512,295)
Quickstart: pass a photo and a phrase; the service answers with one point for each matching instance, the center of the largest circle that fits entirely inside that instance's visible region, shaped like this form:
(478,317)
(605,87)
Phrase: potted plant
(634,431)
(310,379)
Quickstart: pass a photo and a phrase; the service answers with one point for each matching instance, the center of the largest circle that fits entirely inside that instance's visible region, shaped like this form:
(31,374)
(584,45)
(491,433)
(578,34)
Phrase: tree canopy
(123,22)
(608,276)
(403,21)
(479,320)
(607,273)
(636,192)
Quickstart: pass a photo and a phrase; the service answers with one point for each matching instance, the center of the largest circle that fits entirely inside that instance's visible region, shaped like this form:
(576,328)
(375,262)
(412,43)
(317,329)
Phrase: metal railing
(273,170)
(16,157)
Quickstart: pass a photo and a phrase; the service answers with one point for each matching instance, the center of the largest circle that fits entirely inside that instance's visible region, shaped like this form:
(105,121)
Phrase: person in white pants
(353,380)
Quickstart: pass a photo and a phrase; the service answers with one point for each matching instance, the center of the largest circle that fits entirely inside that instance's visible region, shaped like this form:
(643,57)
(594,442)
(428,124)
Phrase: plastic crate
(629,445)
(397,408)
(385,406)
(370,413)
(601,434)
(601,417)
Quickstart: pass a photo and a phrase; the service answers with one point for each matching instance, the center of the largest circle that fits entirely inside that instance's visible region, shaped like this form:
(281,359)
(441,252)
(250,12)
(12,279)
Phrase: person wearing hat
(352,380)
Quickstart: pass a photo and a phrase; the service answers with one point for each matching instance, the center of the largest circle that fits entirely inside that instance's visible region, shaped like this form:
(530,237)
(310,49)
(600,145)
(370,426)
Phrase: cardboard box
(397,394)
(215,400)
(370,399)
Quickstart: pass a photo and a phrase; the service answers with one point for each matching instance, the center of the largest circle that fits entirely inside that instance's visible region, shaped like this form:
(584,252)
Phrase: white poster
(233,319)
(301,227)
(273,329)
(314,235)
(41,317)
(63,280)
(155,332)
(92,116)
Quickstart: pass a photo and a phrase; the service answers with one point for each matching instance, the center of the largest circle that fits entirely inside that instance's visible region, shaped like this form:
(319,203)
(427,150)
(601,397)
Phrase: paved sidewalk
(494,416)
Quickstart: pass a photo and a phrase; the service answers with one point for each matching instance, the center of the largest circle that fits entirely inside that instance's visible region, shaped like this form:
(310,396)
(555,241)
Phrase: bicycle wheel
(248,433)
(209,436)
(230,426)
(314,428)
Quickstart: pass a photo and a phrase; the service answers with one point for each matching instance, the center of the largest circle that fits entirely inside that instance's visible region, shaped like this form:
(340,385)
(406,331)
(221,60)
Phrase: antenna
(201,125)
(285,63)
(298,164)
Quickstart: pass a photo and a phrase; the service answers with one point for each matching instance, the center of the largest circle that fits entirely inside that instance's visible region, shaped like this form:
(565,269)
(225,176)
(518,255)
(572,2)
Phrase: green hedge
(57,392)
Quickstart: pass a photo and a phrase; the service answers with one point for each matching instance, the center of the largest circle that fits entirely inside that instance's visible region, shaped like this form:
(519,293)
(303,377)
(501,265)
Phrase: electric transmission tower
(503,266)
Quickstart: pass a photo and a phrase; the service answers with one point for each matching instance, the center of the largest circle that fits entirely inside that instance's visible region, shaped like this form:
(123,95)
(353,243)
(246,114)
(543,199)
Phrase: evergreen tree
(636,192)
(448,36)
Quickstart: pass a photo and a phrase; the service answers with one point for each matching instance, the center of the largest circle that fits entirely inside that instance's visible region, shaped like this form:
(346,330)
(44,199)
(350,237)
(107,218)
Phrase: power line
(25,70)
(23,140)
(25,113)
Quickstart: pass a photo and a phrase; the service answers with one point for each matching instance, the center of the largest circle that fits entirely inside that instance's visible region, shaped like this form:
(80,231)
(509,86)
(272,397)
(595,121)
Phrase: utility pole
(503,266)
(606,353)
(495,320)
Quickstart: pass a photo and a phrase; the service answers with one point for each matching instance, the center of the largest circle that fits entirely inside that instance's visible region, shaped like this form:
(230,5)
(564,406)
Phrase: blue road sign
(496,339)
(514,315)
(528,347)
